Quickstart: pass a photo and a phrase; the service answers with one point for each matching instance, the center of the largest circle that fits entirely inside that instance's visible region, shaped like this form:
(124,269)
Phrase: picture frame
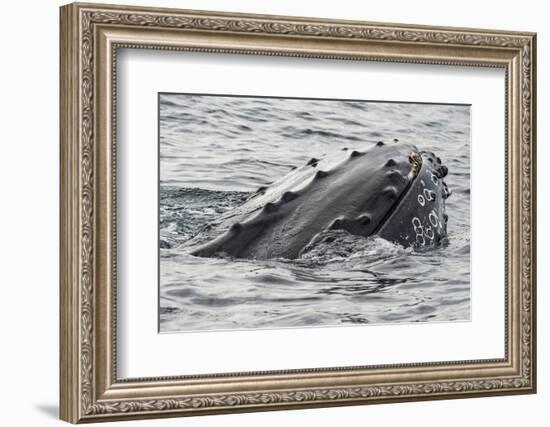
(91,36)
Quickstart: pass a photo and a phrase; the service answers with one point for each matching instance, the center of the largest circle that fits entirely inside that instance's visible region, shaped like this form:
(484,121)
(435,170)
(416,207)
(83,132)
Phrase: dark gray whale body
(391,190)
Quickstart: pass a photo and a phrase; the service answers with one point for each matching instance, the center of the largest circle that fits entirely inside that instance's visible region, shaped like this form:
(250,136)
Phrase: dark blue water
(215,151)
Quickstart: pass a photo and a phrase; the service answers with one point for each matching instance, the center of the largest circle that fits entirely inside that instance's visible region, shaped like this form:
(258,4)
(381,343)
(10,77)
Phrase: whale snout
(436,164)
(419,219)
(438,169)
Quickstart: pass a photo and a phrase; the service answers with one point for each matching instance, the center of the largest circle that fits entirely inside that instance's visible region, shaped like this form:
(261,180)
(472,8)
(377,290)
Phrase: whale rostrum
(392,190)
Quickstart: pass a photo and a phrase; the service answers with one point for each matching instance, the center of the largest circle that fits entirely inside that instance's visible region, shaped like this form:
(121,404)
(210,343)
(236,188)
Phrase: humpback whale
(392,190)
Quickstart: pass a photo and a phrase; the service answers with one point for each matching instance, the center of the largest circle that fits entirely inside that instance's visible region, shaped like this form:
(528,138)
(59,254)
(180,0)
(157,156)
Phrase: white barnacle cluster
(424,232)
(415,159)
(418,231)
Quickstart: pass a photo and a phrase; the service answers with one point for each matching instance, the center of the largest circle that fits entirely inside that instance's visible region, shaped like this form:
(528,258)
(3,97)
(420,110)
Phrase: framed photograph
(267,212)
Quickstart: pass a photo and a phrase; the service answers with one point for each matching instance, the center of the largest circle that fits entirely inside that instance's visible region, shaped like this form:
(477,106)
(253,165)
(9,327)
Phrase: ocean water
(216,150)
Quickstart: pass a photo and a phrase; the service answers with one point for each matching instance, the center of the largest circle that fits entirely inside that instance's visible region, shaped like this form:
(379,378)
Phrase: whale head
(392,190)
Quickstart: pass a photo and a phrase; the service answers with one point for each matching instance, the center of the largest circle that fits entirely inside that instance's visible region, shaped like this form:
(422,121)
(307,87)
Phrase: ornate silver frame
(90,36)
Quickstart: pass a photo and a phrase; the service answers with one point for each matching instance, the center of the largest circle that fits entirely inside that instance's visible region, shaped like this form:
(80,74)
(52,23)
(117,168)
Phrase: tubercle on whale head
(439,170)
